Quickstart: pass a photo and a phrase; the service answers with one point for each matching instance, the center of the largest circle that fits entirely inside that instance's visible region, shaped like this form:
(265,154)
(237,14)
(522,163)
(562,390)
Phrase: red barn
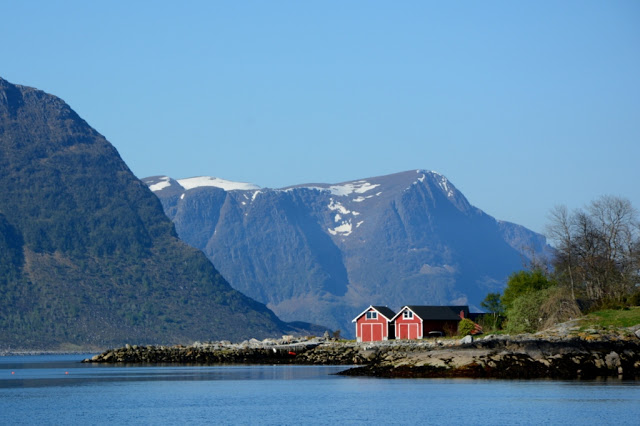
(374,324)
(416,322)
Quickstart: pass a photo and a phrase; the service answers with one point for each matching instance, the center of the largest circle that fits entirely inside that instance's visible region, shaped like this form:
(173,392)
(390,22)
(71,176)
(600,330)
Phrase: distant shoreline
(34,352)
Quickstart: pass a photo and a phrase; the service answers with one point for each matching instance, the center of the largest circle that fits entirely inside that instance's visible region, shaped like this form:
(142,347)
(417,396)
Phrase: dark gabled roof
(438,313)
(475,316)
(388,313)
(384,311)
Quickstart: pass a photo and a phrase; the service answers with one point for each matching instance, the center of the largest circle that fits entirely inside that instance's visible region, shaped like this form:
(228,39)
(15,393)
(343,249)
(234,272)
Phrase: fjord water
(57,389)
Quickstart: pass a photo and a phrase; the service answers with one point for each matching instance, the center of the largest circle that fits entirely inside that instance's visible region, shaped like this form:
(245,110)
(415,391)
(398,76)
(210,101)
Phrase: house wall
(371,330)
(408,328)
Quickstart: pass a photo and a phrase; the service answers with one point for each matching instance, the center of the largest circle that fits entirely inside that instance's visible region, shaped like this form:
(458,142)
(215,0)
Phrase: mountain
(323,252)
(87,255)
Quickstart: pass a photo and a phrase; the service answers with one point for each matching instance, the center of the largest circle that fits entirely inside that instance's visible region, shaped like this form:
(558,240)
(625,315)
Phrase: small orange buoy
(13,372)
(66,372)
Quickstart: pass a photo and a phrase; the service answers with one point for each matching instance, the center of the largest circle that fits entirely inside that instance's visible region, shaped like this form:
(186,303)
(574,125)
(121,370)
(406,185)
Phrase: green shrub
(524,315)
(523,282)
(466,327)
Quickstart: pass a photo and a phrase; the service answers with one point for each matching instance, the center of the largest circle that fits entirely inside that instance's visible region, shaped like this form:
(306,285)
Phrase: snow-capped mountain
(323,252)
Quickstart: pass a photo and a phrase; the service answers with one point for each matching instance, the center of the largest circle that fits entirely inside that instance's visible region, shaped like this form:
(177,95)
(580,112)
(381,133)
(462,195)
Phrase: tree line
(595,265)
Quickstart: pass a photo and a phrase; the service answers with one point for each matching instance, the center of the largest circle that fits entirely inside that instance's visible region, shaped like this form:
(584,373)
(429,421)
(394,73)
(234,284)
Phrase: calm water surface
(55,389)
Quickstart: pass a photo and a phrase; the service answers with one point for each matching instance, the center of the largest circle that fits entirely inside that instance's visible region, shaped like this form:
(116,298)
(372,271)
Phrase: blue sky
(522,105)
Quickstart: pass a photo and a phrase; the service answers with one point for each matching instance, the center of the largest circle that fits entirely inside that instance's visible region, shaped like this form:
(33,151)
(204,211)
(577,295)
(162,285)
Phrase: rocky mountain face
(87,255)
(323,253)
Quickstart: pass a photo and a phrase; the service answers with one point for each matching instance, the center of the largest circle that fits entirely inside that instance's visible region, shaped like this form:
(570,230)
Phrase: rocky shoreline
(557,355)
(511,359)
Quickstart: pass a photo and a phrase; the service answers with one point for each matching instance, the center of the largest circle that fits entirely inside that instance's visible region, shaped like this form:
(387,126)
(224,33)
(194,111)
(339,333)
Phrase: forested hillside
(87,256)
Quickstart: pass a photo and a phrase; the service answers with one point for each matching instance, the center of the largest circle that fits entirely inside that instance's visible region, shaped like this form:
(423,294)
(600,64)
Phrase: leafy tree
(493,304)
(522,283)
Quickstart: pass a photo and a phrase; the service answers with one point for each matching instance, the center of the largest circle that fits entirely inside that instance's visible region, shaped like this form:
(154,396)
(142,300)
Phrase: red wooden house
(374,324)
(416,322)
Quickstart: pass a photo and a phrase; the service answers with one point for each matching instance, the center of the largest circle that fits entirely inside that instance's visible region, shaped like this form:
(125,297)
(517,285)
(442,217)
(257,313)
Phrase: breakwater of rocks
(313,351)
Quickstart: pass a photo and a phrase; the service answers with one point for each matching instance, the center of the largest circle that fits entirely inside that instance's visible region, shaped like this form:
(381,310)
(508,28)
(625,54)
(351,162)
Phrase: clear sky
(522,105)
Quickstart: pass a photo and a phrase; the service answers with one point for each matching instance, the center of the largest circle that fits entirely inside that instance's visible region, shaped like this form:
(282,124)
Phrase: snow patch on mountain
(164,183)
(333,205)
(344,229)
(361,198)
(444,185)
(342,210)
(227,185)
(442,181)
(341,190)
(359,187)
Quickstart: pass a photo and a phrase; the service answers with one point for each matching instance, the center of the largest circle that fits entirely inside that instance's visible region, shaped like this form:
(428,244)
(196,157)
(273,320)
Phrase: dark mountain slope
(324,252)
(87,255)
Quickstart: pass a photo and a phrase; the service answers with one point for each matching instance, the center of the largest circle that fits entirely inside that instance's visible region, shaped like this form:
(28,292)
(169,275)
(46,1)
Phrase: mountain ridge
(329,250)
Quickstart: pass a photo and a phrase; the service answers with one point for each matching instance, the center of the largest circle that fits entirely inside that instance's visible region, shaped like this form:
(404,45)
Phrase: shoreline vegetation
(565,352)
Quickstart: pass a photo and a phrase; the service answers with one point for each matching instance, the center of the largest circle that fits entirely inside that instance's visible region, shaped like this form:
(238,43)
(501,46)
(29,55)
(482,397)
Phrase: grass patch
(613,318)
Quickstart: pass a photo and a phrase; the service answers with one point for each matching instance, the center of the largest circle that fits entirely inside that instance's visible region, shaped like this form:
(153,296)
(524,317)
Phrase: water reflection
(23,372)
